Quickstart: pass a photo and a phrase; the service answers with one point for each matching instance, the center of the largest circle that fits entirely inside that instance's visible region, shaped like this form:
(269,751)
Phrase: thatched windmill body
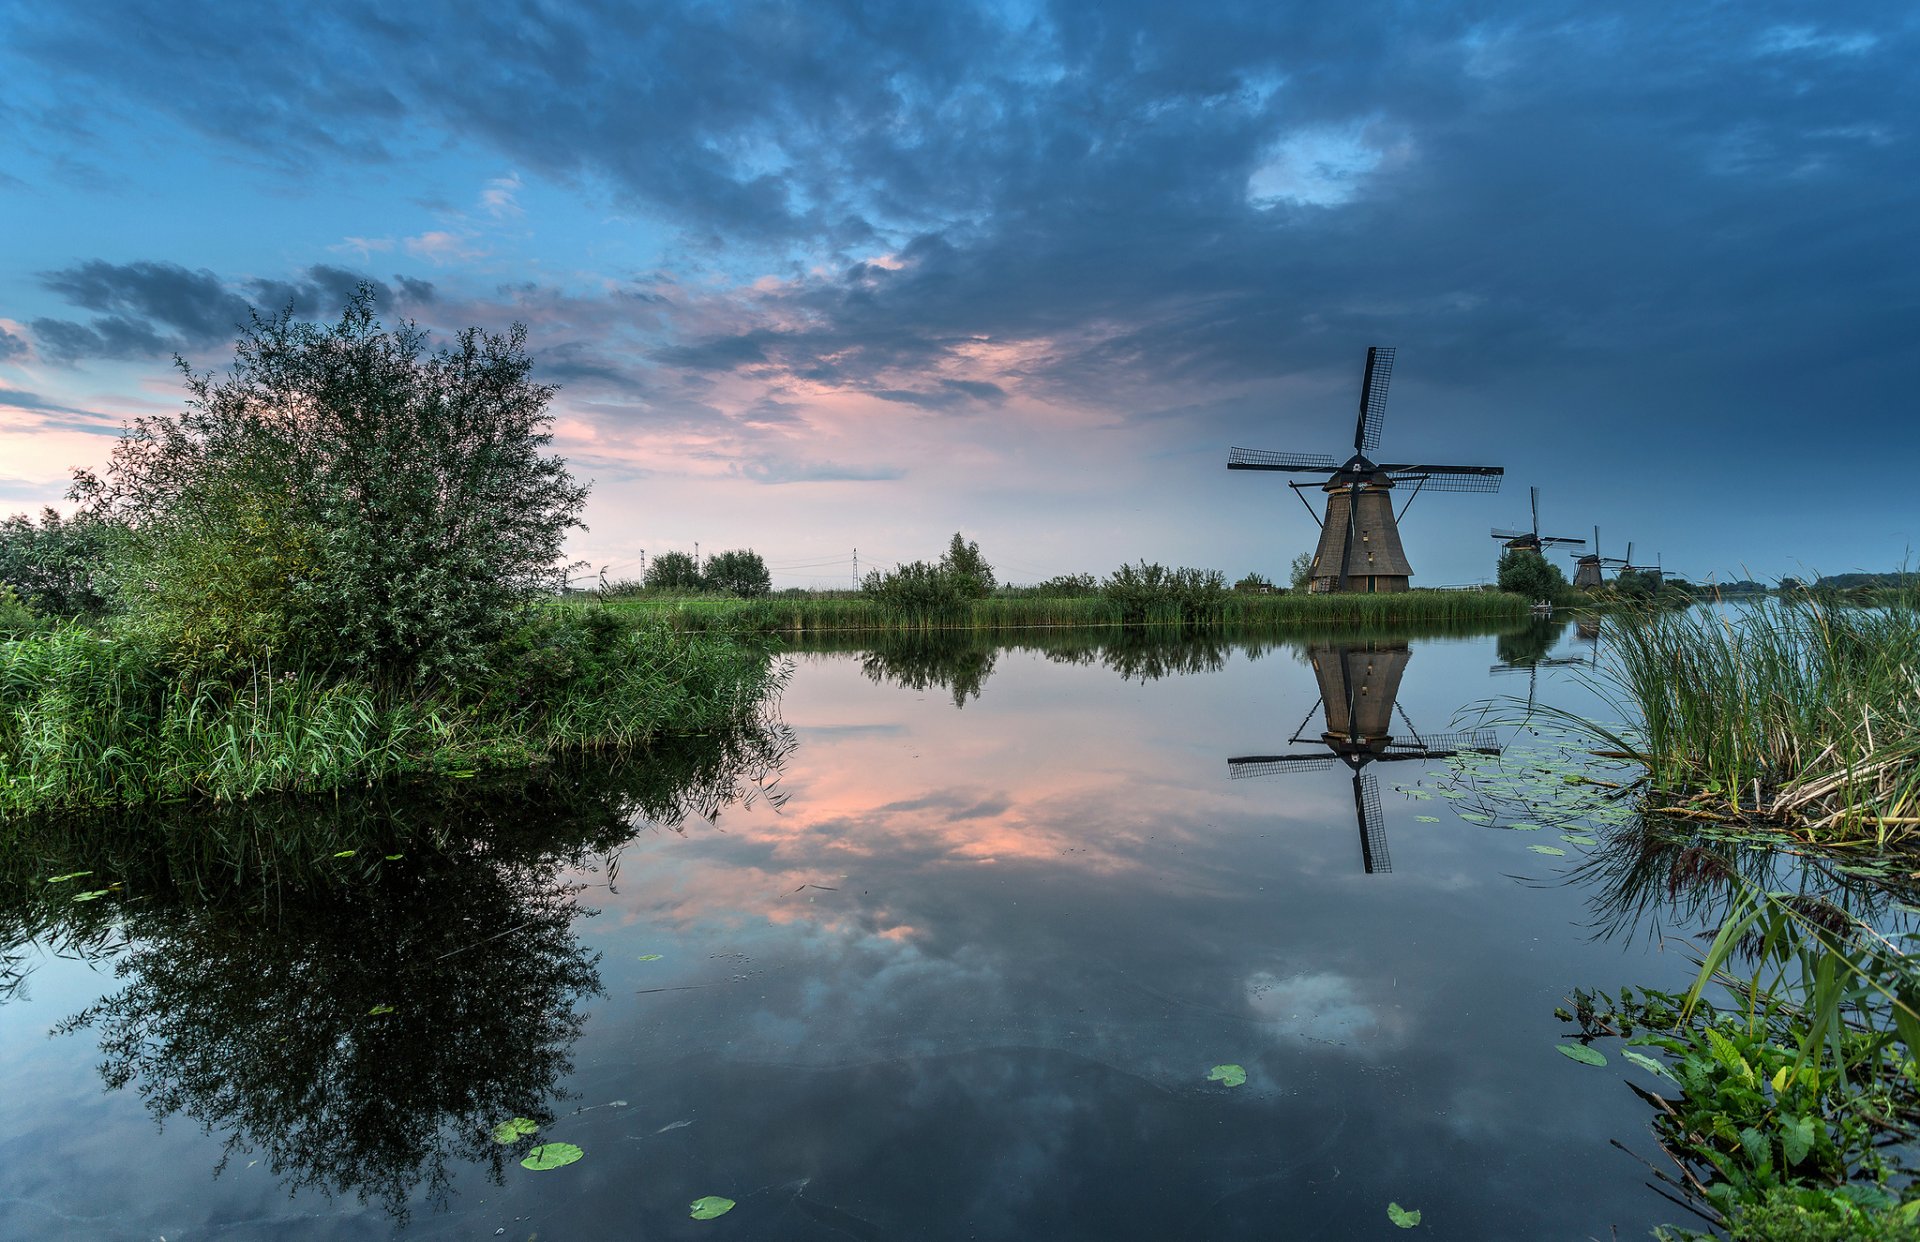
(1359,692)
(1531,540)
(1359,547)
(1589,568)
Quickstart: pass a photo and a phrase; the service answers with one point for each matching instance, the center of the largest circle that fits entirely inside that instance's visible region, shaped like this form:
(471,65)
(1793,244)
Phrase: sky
(833,276)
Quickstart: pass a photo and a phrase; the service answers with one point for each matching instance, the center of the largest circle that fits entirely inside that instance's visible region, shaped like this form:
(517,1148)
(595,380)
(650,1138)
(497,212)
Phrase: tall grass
(1804,712)
(786,615)
(87,720)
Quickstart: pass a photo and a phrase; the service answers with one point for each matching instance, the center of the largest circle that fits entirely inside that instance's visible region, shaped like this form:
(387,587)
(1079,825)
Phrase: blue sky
(824,276)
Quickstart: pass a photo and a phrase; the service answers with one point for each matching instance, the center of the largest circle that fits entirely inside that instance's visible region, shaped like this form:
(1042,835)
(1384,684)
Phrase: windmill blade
(1373,824)
(1563,541)
(1269,765)
(1533,495)
(1448,478)
(1373,398)
(1261,459)
(1440,745)
(1509,534)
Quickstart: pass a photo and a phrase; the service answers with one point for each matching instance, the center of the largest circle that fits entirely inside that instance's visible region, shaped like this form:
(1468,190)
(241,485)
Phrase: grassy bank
(1800,713)
(826,614)
(91,720)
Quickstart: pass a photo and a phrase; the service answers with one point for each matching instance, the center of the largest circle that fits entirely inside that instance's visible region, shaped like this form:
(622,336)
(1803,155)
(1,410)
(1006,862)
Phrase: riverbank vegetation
(336,565)
(1801,713)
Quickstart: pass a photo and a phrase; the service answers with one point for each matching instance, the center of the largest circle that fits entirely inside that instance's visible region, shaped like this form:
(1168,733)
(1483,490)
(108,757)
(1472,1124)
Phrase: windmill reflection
(1526,651)
(1359,695)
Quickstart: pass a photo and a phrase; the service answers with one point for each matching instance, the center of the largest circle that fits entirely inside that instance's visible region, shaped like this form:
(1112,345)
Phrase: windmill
(1531,540)
(1589,568)
(1359,690)
(1654,570)
(1359,547)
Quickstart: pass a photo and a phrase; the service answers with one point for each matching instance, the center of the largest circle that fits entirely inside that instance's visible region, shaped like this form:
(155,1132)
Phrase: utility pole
(856,569)
(643,564)
(696,556)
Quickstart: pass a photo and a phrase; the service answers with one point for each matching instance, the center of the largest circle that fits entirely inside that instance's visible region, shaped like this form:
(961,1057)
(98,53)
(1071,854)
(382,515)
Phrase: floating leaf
(1428,819)
(1227,1075)
(1471,818)
(551,1156)
(1523,827)
(71,875)
(1646,1062)
(514,1129)
(379,1009)
(709,1207)
(95,895)
(648,957)
(346,853)
(1403,1217)
(1582,1054)
(1577,838)
(1554,850)
(395,857)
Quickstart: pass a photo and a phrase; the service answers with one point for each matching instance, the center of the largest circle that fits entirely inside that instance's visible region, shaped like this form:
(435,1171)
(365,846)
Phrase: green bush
(740,573)
(1254,584)
(674,572)
(920,591)
(16,619)
(57,567)
(343,498)
(1525,572)
(968,568)
(1152,592)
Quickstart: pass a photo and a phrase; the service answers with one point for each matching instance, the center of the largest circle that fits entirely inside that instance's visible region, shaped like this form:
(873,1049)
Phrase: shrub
(56,567)
(968,568)
(1525,572)
(674,571)
(344,498)
(1300,571)
(1254,584)
(739,573)
(917,589)
(1069,586)
(16,619)
(1186,595)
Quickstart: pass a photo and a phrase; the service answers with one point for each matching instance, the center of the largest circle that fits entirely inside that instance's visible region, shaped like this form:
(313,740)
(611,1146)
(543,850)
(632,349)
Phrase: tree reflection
(360,989)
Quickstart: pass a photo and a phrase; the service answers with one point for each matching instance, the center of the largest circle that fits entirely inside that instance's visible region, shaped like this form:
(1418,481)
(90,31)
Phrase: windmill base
(1361,584)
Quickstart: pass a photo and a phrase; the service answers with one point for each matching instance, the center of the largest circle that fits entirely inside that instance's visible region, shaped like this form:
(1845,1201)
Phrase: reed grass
(791,616)
(93,721)
(1802,712)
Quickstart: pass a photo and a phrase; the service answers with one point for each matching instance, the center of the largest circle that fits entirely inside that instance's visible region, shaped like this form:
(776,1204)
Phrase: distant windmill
(1589,569)
(1531,540)
(1359,546)
(1359,688)
(1658,574)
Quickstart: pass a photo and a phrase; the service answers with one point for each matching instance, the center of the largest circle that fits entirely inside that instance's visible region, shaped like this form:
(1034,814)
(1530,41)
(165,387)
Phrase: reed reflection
(1359,700)
(358,989)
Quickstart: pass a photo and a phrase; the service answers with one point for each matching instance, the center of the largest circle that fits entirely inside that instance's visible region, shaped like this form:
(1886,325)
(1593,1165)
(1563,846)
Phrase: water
(948,955)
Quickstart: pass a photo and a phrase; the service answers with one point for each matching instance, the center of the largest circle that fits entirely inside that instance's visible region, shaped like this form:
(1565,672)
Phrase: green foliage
(341,497)
(92,722)
(1254,584)
(674,572)
(1300,571)
(56,567)
(16,619)
(968,568)
(918,591)
(1146,593)
(1526,573)
(740,573)
(1068,586)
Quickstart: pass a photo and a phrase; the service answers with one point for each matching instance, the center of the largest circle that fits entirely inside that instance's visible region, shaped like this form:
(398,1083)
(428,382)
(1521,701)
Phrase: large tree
(341,495)
(741,573)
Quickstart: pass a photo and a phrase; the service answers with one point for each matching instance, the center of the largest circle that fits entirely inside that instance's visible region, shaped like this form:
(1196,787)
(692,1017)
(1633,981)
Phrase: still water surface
(952,958)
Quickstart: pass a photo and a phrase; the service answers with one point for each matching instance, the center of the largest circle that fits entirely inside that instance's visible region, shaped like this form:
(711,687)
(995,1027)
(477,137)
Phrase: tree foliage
(970,570)
(1300,571)
(1525,572)
(918,589)
(343,496)
(741,573)
(55,566)
(674,571)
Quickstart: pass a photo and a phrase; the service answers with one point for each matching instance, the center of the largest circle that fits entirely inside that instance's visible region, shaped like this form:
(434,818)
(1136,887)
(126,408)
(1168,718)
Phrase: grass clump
(1802,712)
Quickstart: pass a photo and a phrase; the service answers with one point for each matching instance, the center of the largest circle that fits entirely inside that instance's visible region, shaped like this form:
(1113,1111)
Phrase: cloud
(785,470)
(154,308)
(11,346)
(443,246)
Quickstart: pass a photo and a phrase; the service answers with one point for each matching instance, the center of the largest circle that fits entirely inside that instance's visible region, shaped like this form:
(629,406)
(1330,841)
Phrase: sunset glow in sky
(834,275)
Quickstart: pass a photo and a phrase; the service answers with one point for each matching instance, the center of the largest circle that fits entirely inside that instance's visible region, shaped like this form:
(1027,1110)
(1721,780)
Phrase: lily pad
(1577,838)
(346,853)
(1582,1054)
(71,875)
(551,1156)
(1646,1062)
(395,857)
(1404,1217)
(1428,819)
(514,1129)
(648,957)
(709,1207)
(1554,850)
(95,895)
(1227,1075)
(1471,818)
